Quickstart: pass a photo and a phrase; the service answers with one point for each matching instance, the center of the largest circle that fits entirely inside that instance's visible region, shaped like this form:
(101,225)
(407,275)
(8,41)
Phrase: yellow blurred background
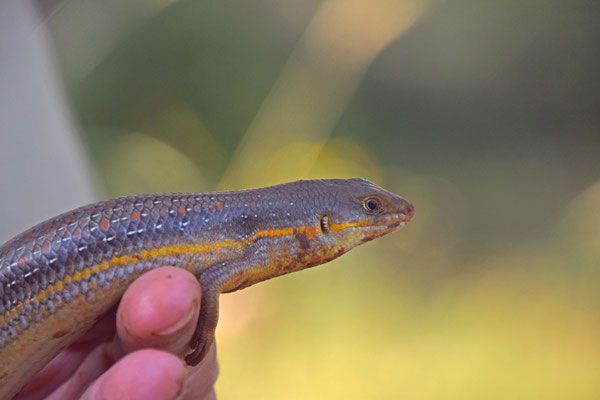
(484,114)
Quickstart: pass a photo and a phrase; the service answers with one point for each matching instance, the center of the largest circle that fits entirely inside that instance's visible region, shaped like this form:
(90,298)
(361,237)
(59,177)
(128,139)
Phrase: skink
(61,276)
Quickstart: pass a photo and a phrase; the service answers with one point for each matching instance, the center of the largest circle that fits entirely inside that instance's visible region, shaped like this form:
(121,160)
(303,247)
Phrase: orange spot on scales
(220,206)
(104,224)
(311,231)
(135,215)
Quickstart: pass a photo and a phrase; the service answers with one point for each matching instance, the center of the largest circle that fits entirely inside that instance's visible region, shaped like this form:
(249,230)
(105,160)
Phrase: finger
(67,361)
(96,363)
(202,378)
(159,310)
(55,372)
(144,374)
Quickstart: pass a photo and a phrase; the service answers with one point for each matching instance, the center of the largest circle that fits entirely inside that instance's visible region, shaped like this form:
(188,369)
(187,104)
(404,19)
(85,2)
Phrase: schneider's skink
(61,276)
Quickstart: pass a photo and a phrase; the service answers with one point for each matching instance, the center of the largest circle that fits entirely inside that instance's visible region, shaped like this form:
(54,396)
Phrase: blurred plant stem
(316,84)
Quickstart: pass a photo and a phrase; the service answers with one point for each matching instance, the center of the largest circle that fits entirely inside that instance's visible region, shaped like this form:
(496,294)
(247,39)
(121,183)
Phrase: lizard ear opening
(324,223)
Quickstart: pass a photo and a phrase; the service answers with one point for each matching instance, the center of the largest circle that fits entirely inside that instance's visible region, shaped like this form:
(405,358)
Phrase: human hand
(140,357)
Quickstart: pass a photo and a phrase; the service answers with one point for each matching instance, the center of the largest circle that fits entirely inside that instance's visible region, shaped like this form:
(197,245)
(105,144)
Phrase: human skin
(139,356)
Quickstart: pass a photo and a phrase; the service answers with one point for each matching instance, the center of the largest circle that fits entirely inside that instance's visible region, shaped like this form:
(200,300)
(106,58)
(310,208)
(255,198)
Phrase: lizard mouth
(390,222)
(396,221)
(374,226)
(383,225)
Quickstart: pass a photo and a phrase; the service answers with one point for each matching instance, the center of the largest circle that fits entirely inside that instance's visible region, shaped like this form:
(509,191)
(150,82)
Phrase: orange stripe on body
(311,231)
(335,228)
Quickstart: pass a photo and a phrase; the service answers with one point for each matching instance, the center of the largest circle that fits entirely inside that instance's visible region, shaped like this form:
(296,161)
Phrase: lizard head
(361,211)
(344,213)
(324,219)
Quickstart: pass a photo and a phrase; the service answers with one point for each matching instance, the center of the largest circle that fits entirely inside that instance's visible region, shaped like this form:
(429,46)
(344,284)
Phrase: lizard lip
(401,219)
(404,217)
(395,221)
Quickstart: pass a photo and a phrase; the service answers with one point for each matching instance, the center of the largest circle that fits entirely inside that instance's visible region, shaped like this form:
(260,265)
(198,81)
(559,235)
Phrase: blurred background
(484,114)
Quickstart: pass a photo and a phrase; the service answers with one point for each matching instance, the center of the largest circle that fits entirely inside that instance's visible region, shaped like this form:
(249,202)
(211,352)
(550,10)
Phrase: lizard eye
(371,204)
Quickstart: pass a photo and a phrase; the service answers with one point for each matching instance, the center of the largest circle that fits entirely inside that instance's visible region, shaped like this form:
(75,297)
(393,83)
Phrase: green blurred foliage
(484,114)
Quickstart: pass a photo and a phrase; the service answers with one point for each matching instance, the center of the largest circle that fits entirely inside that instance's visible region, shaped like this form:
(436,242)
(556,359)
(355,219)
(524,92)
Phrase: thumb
(159,310)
